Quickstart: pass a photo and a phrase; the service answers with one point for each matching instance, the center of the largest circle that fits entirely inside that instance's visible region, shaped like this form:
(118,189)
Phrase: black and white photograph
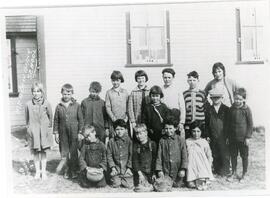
(135,98)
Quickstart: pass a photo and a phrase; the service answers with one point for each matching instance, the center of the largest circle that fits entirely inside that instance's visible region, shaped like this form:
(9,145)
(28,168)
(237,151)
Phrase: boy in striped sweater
(194,102)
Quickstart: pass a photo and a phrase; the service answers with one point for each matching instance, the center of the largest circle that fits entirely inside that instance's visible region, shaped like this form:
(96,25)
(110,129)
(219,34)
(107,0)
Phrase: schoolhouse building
(84,43)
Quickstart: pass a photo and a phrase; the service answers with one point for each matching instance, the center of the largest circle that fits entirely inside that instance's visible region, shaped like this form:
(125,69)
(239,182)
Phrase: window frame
(239,42)
(129,50)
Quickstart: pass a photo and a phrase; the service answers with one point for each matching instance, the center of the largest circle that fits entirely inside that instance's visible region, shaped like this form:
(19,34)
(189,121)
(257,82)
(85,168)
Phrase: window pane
(8,50)
(157,45)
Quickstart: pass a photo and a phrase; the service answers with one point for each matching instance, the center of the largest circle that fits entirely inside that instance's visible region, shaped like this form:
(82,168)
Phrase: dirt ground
(26,184)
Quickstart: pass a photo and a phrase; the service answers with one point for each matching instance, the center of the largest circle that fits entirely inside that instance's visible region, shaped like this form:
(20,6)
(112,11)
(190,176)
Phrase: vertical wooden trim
(14,65)
(238,34)
(168,37)
(41,63)
(128,38)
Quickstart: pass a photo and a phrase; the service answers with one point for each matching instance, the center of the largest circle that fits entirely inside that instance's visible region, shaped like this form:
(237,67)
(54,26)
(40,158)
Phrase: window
(249,35)
(18,28)
(148,41)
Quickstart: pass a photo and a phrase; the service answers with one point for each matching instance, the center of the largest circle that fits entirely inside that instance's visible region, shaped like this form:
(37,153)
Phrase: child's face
(93,92)
(196,133)
(141,81)
(239,100)
(91,134)
(37,93)
(169,130)
(167,78)
(120,131)
(66,95)
(219,74)
(193,82)
(216,100)
(116,83)
(141,135)
(155,99)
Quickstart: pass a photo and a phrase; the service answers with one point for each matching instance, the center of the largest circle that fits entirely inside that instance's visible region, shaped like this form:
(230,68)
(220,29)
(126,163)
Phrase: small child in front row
(68,124)
(92,160)
(143,159)
(240,131)
(119,156)
(153,114)
(94,112)
(172,154)
(116,101)
(200,159)
(194,102)
(38,113)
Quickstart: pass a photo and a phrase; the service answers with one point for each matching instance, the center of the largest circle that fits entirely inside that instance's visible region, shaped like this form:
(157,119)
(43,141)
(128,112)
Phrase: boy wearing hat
(216,120)
(92,160)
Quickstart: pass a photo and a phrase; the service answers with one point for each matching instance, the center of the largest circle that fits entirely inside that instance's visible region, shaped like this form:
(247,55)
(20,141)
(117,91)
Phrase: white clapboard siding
(83,44)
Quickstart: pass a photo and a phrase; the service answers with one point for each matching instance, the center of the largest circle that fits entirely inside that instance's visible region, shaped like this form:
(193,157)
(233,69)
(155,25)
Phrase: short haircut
(193,74)
(196,124)
(141,73)
(68,88)
(156,90)
(116,75)
(170,120)
(218,65)
(86,128)
(39,86)
(95,86)
(121,123)
(140,127)
(169,70)
(240,91)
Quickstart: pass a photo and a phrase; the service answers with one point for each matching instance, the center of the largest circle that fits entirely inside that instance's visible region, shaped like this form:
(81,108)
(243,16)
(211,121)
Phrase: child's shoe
(44,175)
(232,177)
(66,174)
(191,184)
(37,175)
(73,175)
(243,178)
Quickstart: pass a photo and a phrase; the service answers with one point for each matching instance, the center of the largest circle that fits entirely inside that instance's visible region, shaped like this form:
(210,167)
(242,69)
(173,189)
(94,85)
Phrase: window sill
(148,65)
(249,62)
(13,95)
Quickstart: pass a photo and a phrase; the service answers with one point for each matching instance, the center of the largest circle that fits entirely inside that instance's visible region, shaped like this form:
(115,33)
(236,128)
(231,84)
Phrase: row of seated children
(143,163)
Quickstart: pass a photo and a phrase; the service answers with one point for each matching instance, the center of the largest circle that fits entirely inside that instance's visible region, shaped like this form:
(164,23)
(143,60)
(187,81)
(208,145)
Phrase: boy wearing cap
(194,102)
(216,121)
(92,160)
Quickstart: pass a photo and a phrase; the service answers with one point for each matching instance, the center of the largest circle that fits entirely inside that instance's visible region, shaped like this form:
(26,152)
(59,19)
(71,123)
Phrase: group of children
(98,147)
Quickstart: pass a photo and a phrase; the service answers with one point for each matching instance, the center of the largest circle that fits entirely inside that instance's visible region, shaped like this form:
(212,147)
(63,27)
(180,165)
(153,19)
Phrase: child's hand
(227,141)
(247,141)
(160,174)
(181,173)
(181,127)
(80,137)
(107,132)
(114,172)
(154,177)
(128,172)
(208,139)
(56,138)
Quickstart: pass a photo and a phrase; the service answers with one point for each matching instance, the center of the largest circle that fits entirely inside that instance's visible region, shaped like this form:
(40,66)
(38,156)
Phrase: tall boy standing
(194,102)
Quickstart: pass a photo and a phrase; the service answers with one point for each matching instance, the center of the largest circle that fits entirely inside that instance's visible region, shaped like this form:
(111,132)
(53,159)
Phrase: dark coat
(240,123)
(172,155)
(152,120)
(68,122)
(94,113)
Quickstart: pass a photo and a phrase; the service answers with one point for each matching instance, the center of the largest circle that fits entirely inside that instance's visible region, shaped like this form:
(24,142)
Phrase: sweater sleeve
(184,159)
(103,163)
(208,152)
(182,108)
(249,123)
(50,114)
(110,154)
(80,118)
(129,162)
(159,158)
(130,109)
(82,163)
(26,114)
(56,121)
(108,106)
(135,159)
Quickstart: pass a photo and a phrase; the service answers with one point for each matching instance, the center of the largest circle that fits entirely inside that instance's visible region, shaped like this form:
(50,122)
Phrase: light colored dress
(199,159)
